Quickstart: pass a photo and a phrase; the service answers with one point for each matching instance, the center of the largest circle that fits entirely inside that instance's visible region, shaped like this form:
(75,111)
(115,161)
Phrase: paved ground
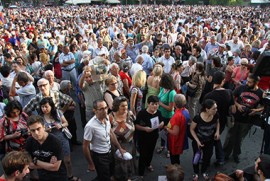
(250,150)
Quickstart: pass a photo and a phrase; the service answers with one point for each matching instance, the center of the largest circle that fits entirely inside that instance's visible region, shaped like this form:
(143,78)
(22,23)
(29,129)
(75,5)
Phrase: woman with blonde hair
(111,91)
(44,59)
(136,95)
(153,82)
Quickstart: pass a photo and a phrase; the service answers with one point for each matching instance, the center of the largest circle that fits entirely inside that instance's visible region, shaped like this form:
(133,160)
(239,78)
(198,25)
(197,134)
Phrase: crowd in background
(137,72)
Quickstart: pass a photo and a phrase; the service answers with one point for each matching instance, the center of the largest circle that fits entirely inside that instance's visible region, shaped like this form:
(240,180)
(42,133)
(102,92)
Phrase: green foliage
(226,2)
(192,2)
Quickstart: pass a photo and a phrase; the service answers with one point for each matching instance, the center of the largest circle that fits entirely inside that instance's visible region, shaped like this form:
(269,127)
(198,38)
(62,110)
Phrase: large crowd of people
(135,73)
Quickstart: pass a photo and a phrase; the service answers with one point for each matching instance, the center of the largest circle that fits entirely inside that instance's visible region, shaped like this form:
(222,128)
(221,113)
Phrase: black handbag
(191,92)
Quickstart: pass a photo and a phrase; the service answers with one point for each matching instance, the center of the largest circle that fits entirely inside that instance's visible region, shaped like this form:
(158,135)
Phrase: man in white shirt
(136,66)
(98,137)
(167,59)
(67,61)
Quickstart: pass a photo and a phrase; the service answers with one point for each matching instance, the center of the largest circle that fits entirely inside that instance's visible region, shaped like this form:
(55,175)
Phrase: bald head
(179,100)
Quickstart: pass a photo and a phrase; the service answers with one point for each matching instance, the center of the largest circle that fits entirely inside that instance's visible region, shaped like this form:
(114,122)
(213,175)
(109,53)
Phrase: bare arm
(47,166)
(133,102)
(12,91)
(87,155)
(169,107)
(109,100)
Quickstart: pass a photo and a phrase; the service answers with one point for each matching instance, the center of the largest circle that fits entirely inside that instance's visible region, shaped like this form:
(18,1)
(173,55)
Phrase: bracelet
(35,160)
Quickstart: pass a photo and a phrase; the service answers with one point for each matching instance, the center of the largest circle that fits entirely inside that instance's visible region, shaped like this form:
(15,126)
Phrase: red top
(176,142)
(2,179)
(264,82)
(124,76)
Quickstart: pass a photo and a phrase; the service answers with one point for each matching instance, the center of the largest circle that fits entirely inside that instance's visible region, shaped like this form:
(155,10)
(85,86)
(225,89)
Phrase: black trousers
(207,150)
(104,165)
(175,159)
(72,126)
(83,116)
(146,149)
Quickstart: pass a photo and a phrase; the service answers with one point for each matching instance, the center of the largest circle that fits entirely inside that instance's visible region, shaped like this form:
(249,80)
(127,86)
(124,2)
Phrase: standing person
(16,166)
(13,127)
(153,82)
(197,82)
(67,61)
(46,151)
(225,105)
(111,92)
(54,122)
(204,130)
(166,103)
(176,71)
(98,132)
(148,135)
(126,79)
(121,120)
(167,59)
(91,91)
(26,92)
(59,98)
(138,81)
(240,74)
(248,102)
(177,129)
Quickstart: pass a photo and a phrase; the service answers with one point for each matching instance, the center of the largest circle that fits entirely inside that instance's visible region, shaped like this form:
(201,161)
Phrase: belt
(101,154)
(68,70)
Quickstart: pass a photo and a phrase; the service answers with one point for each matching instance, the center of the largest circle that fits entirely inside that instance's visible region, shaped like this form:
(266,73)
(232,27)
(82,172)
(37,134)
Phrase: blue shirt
(147,64)
(133,51)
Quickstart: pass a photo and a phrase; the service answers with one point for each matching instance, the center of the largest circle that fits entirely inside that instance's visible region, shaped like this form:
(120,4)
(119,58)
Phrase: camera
(24,132)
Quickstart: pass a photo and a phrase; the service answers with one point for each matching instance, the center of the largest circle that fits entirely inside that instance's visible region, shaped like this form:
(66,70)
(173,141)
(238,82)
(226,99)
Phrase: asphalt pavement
(250,151)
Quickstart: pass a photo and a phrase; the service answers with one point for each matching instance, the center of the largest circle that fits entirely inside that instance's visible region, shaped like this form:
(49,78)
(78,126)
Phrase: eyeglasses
(245,65)
(103,108)
(42,85)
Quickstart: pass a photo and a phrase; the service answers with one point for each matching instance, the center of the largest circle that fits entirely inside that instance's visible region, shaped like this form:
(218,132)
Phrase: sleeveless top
(113,97)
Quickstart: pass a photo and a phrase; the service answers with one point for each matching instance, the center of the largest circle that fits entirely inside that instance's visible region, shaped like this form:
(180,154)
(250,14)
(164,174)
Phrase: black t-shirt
(224,99)
(44,152)
(249,98)
(205,130)
(144,119)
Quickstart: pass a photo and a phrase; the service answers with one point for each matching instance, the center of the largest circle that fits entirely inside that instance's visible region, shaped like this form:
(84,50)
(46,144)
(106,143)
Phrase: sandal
(206,176)
(150,168)
(159,150)
(72,178)
(195,177)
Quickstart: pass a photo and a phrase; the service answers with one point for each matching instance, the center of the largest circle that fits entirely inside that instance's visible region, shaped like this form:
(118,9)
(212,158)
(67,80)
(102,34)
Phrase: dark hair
(22,76)
(216,61)
(176,64)
(166,81)
(198,48)
(200,67)
(35,119)
(153,99)
(7,55)
(11,105)
(230,59)
(264,165)
(95,103)
(207,104)
(53,108)
(254,77)
(218,77)
(5,70)
(15,160)
(117,101)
